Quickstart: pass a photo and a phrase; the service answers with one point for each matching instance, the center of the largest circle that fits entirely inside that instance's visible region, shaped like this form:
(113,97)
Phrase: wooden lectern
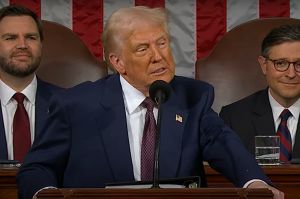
(285,177)
(185,193)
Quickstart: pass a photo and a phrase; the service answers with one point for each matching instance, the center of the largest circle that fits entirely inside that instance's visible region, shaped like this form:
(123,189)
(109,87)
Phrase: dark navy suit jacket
(85,143)
(253,116)
(43,95)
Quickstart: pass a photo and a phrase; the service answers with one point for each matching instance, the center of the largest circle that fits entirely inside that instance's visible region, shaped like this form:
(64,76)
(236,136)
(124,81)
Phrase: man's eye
(32,37)
(9,38)
(281,62)
(141,49)
(162,44)
(297,64)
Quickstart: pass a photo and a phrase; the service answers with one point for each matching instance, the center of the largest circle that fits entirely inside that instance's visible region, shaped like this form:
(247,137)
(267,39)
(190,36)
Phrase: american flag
(195,25)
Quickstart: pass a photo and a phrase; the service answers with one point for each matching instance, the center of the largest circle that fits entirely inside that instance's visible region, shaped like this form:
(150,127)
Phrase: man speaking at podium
(95,133)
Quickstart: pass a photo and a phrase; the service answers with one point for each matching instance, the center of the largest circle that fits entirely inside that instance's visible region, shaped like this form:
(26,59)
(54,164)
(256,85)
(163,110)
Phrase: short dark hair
(279,35)
(16,10)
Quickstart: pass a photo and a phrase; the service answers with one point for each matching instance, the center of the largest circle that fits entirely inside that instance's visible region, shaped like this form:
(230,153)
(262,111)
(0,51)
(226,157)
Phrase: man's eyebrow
(14,34)
(8,34)
(32,34)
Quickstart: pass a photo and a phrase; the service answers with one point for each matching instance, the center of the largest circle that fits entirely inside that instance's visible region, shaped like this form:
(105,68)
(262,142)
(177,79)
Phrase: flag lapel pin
(178,118)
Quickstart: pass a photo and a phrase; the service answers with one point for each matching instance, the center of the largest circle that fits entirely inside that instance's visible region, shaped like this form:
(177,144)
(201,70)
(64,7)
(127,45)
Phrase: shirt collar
(6,92)
(277,108)
(132,97)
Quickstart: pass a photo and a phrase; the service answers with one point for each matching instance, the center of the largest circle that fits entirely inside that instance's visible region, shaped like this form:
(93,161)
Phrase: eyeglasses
(282,65)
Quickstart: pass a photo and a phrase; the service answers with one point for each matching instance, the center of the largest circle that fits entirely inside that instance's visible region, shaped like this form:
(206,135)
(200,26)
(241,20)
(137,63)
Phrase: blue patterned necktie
(148,142)
(285,137)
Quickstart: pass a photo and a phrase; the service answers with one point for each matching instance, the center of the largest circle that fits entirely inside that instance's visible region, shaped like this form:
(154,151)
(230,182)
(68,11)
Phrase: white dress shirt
(292,121)
(9,107)
(135,118)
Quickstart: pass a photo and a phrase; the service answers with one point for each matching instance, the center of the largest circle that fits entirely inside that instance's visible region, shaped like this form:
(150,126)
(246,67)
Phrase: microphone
(159,92)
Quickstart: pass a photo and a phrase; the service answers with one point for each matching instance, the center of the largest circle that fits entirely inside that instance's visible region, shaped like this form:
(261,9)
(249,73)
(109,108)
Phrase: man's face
(284,86)
(20,46)
(146,56)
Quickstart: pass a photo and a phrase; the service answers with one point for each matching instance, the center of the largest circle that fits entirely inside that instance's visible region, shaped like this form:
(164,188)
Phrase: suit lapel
(262,116)
(41,106)
(3,143)
(115,136)
(174,118)
(173,122)
(296,148)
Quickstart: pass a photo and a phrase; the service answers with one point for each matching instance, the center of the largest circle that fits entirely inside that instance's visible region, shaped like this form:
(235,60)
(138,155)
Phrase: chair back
(232,67)
(66,61)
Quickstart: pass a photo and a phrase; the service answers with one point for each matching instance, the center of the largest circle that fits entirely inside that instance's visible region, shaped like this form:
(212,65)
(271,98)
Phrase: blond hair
(122,22)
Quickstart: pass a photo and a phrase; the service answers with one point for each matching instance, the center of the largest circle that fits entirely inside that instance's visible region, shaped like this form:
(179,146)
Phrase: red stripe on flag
(150,3)
(88,24)
(34,5)
(271,8)
(211,25)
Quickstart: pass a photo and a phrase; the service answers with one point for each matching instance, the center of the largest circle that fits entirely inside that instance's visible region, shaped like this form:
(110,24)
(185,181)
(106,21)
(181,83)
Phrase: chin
(167,78)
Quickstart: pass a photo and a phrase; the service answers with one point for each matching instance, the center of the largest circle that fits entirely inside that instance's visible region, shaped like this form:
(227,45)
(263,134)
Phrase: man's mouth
(21,56)
(159,71)
(290,83)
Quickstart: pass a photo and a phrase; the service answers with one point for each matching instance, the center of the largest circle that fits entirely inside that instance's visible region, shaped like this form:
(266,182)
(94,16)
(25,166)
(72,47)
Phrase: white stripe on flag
(239,12)
(4,3)
(109,6)
(182,30)
(59,11)
(295,9)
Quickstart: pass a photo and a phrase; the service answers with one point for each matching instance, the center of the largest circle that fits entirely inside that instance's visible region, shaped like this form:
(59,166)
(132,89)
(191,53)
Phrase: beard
(14,69)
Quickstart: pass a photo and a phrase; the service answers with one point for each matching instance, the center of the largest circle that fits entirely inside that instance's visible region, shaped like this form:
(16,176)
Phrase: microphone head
(159,91)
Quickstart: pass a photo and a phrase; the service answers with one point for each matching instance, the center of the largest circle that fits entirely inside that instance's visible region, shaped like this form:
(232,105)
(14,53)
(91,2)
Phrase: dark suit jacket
(253,116)
(85,143)
(43,95)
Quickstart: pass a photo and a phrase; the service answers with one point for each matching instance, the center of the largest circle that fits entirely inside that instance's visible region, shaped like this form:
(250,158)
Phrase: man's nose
(156,54)
(21,43)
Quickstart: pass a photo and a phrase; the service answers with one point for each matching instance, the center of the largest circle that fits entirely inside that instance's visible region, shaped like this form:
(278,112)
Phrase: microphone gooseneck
(159,92)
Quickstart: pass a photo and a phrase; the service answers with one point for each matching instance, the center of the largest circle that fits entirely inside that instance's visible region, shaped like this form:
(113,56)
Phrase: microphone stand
(157,147)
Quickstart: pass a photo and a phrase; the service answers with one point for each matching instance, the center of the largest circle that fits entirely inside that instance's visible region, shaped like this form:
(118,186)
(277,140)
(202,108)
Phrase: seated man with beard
(24,97)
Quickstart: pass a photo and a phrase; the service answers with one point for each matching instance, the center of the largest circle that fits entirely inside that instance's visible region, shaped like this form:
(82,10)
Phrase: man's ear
(263,64)
(117,63)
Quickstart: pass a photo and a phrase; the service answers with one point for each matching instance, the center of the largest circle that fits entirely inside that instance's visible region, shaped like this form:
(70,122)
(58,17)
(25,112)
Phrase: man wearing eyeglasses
(264,112)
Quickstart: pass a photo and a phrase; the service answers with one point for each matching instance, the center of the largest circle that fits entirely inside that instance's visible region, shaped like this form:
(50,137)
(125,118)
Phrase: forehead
(289,50)
(16,24)
(146,32)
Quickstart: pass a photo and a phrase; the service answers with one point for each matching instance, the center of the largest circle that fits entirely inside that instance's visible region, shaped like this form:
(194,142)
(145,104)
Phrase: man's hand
(258,184)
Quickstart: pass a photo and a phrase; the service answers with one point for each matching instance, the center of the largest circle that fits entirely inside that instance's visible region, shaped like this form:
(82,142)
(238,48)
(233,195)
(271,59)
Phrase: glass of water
(267,150)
